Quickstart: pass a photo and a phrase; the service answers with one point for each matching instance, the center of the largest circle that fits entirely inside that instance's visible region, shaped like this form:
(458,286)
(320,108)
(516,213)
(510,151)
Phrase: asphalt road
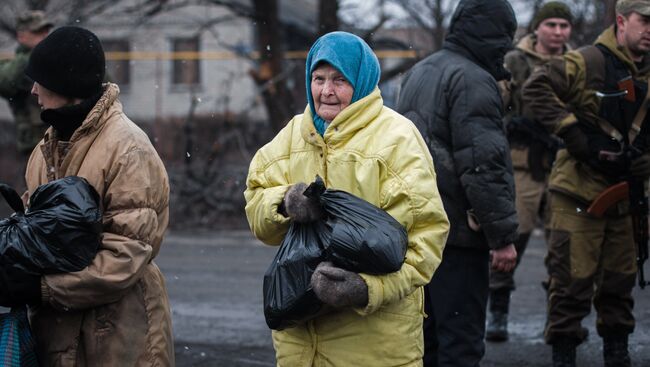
(215,286)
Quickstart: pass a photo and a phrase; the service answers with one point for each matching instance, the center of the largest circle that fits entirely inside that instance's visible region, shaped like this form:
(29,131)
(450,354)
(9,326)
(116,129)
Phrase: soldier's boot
(615,351)
(564,353)
(497,325)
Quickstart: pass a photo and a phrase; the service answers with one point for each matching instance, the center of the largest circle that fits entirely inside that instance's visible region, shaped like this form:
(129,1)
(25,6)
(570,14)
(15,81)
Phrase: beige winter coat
(116,311)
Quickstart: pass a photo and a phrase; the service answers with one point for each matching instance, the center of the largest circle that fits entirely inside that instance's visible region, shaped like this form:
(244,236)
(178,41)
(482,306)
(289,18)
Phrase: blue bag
(17,347)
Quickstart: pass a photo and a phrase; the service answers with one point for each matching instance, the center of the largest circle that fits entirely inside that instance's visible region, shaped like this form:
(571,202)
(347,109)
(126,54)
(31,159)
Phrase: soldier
(31,28)
(592,99)
(532,148)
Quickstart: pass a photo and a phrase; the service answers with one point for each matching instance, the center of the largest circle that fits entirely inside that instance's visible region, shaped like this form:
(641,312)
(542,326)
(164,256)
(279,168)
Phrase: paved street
(215,286)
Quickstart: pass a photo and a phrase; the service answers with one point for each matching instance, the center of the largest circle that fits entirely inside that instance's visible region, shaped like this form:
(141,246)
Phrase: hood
(483,30)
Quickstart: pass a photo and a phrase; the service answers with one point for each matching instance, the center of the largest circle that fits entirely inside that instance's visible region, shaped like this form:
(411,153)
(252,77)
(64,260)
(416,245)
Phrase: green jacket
(16,88)
(378,155)
(562,91)
(520,62)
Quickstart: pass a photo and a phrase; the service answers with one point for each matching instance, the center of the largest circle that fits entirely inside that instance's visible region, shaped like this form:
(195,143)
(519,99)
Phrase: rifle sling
(639,118)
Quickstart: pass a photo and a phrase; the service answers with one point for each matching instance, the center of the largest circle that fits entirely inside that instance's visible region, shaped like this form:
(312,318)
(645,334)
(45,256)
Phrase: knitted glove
(299,207)
(640,166)
(338,287)
(576,142)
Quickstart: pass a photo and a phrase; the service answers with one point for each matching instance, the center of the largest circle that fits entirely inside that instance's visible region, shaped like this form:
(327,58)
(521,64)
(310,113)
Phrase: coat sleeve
(12,78)
(411,196)
(136,207)
(481,154)
(266,184)
(549,86)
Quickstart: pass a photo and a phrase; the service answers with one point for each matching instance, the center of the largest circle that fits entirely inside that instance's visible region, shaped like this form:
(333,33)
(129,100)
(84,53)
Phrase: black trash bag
(360,237)
(59,233)
(288,297)
(355,235)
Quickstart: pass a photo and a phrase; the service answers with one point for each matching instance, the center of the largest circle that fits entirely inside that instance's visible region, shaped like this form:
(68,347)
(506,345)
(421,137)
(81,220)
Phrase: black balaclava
(65,120)
(484,29)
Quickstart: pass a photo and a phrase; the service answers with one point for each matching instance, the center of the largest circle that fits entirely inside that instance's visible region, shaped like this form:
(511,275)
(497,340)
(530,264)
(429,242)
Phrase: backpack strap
(595,70)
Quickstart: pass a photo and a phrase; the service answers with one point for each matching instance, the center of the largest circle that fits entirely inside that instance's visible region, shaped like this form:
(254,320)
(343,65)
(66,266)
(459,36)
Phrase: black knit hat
(552,9)
(70,62)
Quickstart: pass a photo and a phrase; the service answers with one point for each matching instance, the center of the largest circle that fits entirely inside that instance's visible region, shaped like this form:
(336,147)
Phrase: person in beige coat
(116,311)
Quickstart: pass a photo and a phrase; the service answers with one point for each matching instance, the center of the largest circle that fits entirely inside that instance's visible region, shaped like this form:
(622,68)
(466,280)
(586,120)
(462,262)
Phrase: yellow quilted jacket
(378,155)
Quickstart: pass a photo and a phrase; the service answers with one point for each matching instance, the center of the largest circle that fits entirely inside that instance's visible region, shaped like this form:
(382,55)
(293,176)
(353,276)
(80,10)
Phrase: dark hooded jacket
(453,98)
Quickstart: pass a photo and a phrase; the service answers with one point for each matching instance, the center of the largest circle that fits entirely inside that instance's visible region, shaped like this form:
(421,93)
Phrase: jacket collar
(608,39)
(92,121)
(352,119)
(527,45)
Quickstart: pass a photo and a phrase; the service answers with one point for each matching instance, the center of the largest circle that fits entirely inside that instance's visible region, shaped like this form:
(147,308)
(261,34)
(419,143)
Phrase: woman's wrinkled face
(331,91)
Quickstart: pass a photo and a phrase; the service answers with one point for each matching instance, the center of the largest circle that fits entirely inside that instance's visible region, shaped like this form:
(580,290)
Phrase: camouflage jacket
(520,62)
(564,91)
(16,87)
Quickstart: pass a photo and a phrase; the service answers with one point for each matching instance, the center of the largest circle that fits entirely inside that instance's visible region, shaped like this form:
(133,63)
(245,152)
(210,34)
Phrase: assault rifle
(634,190)
(524,130)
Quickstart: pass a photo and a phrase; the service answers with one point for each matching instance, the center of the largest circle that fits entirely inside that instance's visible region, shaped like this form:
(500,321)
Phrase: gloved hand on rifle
(299,207)
(338,287)
(640,166)
(576,142)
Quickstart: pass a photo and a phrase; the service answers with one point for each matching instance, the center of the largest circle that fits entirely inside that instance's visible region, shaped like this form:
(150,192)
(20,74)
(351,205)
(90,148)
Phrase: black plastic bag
(355,235)
(360,237)
(59,233)
(288,297)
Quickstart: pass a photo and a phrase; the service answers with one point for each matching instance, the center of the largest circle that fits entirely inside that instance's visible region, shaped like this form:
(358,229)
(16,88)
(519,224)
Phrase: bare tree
(328,19)
(269,74)
(430,16)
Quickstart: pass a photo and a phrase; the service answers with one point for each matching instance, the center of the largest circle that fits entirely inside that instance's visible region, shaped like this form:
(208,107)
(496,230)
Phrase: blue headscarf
(351,56)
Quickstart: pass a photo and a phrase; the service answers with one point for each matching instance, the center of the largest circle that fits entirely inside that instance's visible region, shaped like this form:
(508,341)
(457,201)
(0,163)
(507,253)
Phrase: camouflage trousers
(589,260)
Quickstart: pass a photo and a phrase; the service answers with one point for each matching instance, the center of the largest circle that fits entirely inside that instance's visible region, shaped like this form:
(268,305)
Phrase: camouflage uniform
(589,258)
(15,87)
(530,189)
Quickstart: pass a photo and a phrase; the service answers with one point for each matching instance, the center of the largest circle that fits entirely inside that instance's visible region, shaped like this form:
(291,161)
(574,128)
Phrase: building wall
(225,85)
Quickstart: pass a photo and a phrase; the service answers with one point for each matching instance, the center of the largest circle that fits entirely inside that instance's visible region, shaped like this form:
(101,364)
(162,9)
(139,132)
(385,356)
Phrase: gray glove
(299,207)
(338,287)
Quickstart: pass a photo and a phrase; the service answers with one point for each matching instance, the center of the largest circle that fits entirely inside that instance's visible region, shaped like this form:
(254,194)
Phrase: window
(186,70)
(117,61)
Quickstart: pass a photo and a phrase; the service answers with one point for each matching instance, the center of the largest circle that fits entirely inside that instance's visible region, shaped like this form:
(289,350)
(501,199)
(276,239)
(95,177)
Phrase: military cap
(638,6)
(32,21)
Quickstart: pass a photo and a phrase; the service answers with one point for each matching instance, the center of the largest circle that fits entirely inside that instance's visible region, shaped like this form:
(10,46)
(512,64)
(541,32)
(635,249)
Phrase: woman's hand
(299,207)
(338,287)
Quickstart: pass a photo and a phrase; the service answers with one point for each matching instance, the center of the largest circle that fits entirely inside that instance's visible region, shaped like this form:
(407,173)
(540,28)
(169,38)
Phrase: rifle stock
(633,190)
(608,198)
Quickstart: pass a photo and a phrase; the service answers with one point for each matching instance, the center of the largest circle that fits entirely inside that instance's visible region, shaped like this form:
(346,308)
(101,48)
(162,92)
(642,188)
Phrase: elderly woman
(349,138)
